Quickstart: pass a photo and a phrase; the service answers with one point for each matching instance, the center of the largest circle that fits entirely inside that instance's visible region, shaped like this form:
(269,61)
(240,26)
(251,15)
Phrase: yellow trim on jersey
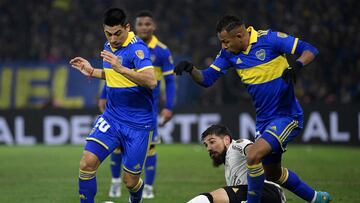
(252,40)
(294,46)
(215,67)
(264,72)
(158,72)
(117,150)
(144,68)
(98,141)
(115,79)
(169,72)
(129,39)
(153,42)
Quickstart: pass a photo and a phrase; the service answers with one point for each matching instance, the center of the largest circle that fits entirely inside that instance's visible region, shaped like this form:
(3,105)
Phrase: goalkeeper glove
(183,66)
(289,74)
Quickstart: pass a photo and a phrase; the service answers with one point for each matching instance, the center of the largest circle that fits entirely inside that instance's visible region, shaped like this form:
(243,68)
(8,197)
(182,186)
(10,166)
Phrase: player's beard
(219,158)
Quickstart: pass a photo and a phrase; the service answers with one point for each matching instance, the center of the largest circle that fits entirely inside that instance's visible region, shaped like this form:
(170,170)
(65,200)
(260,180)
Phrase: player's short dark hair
(228,23)
(144,13)
(115,16)
(216,129)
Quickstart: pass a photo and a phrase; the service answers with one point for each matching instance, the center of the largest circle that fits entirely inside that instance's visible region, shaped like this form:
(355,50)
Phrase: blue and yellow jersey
(127,102)
(164,68)
(260,68)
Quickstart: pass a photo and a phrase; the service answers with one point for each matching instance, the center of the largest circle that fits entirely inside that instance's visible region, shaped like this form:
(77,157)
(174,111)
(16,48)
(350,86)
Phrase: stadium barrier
(324,124)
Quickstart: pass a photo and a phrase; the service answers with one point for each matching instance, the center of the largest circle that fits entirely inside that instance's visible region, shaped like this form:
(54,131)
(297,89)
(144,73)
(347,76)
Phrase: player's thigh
(135,144)
(220,196)
(280,131)
(103,139)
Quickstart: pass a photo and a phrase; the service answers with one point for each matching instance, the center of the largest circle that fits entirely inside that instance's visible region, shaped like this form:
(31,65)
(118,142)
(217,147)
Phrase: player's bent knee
(131,180)
(253,157)
(89,162)
(202,198)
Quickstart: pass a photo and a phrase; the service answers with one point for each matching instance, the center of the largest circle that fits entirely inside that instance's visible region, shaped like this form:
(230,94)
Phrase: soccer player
(259,59)
(163,63)
(232,153)
(128,120)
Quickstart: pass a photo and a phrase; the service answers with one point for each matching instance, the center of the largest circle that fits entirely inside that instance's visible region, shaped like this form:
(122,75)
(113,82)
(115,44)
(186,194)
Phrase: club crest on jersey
(139,53)
(120,59)
(260,54)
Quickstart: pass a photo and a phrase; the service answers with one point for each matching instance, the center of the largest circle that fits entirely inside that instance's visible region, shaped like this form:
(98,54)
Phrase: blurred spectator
(41,30)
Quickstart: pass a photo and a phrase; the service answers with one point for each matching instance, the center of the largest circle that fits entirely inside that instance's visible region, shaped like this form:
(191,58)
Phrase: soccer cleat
(322,197)
(148,192)
(115,188)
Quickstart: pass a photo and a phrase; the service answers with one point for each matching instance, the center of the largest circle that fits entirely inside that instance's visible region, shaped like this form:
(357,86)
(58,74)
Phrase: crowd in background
(53,31)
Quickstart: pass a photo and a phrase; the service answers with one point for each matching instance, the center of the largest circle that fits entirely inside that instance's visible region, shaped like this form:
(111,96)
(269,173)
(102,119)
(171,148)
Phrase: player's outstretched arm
(145,78)
(186,66)
(86,69)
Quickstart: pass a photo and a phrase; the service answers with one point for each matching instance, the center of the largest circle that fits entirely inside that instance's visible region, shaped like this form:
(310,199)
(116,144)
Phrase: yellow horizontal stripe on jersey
(115,79)
(294,46)
(169,72)
(158,72)
(144,68)
(264,72)
(215,67)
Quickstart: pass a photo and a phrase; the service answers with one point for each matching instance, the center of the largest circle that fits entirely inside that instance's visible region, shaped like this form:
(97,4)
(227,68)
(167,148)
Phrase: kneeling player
(223,150)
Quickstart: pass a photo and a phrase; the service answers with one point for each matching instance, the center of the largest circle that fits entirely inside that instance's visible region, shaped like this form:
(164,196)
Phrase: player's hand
(289,74)
(112,59)
(165,116)
(82,65)
(183,66)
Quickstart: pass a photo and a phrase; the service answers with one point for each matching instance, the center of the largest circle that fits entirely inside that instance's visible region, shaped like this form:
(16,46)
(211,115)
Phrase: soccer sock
(292,182)
(150,167)
(136,192)
(256,179)
(87,186)
(115,163)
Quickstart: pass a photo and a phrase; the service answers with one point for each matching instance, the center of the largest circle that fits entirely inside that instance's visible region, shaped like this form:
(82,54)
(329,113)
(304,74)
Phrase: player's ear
(127,27)
(227,139)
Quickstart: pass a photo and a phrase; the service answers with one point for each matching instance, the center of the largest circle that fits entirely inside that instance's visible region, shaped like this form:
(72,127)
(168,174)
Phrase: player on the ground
(232,153)
(164,69)
(259,59)
(127,121)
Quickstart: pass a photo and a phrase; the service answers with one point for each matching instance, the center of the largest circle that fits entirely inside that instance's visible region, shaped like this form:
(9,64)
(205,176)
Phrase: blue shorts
(134,143)
(278,133)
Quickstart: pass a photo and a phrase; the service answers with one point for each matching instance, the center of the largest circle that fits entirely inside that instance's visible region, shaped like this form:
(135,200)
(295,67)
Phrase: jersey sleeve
(218,68)
(141,57)
(287,44)
(167,66)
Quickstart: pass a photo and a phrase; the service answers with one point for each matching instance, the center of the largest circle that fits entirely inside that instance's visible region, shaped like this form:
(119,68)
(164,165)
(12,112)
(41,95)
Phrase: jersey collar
(130,36)
(252,40)
(153,42)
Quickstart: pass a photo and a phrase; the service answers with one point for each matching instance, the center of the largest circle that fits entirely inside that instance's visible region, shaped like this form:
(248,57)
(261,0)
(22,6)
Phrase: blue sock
(292,182)
(136,192)
(256,179)
(87,186)
(150,169)
(115,163)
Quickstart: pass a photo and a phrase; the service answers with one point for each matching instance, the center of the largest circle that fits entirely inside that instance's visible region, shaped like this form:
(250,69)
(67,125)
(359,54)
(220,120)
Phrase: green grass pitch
(46,174)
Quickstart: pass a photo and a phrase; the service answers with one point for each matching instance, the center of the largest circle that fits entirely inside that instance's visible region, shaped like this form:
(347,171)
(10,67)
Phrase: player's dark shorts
(271,193)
